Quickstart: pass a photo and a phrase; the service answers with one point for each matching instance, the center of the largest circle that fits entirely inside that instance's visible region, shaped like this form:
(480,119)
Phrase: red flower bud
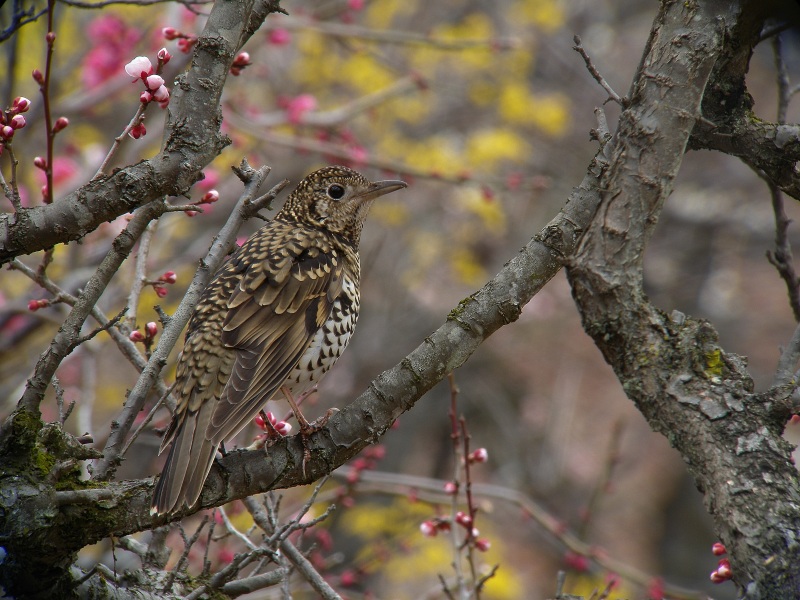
(40,163)
(151,329)
(6,132)
(428,529)
(38,77)
(50,37)
(20,105)
(161,291)
(718,549)
(170,33)
(145,97)
(17,122)
(164,56)
(483,544)
(450,488)
(136,336)
(168,277)
(210,197)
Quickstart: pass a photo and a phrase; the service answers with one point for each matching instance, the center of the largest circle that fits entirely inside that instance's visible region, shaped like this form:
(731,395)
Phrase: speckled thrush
(276,316)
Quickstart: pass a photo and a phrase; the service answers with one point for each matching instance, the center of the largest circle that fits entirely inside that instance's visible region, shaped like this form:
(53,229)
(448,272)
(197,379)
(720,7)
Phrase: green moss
(714,363)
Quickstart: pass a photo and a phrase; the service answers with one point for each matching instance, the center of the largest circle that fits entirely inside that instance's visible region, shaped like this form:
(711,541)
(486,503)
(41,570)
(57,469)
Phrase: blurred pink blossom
(297,107)
(139,67)
(279,37)
(112,39)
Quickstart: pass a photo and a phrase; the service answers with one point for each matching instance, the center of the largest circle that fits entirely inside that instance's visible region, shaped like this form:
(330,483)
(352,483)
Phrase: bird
(274,318)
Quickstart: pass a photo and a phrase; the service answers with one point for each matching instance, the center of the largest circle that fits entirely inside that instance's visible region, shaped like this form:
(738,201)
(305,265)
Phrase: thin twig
(623,101)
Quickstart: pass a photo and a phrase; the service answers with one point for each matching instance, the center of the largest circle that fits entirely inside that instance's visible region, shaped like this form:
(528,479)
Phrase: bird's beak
(379,188)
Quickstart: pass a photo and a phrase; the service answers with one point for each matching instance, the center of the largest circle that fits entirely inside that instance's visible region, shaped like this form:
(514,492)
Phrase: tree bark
(687,387)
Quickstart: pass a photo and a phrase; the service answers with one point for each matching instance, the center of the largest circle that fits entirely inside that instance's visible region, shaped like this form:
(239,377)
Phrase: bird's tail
(188,463)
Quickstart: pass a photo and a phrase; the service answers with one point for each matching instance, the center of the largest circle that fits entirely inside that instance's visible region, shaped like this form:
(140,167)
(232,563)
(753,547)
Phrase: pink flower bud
(355,4)
(17,122)
(170,33)
(576,562)
(428,529)
(479,456)
(137,131)
(160,291)
(185,44)
(139,68)
(136,336)
(60,124)
(483,544)
(145,97)
(34,305)
(151,329)
(154,82)
(279,37)
(463,519)
(210,197)
(348,578)
(38,77)
(191,213)
(164,56)
(6,132)
(353,477)
(168,277)
(283,428)
(20,105)
(718,549)
(50,37)
(450,488)
(242,60)
(717,578)
(161,94)
(40,163)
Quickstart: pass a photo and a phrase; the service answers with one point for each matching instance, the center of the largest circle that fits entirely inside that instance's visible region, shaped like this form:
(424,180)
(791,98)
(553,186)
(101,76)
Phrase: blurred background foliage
(485,109)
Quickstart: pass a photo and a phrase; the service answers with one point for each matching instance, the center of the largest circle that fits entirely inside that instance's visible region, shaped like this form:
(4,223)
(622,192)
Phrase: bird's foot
(307,429)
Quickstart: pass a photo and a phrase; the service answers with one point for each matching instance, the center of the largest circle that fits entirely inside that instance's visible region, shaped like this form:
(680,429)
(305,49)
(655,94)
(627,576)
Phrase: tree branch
(687,387)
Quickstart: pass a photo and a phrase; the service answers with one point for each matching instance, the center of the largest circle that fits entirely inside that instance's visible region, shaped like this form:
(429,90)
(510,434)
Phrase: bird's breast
(328,342)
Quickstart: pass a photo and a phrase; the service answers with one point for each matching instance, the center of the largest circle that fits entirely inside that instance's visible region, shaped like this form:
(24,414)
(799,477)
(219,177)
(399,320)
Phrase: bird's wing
(283,297)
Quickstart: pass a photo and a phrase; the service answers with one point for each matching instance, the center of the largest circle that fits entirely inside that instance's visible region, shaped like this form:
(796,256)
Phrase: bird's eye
(336,191)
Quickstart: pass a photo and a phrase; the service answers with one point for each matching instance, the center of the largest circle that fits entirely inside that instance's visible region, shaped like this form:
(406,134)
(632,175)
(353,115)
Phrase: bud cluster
(723,571)
(148,337)
(11,119)
(186,41)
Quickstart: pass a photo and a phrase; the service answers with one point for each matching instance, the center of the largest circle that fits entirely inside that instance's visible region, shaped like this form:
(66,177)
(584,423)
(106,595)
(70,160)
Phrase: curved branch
(192,140)
(125,506)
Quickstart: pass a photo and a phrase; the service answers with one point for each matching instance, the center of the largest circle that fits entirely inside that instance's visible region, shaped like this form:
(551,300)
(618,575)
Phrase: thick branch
(673,368)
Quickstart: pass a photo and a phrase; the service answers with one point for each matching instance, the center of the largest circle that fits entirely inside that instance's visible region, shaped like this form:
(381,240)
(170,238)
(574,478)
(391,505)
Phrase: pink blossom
(7,132)
(481,455)
(483,544)
(450,488)
(297,107)
(164,56)
(355,4)
(209,197)
(145,97)
(279,37)
(154,82)
(139,68)
(161,94)
(17,122)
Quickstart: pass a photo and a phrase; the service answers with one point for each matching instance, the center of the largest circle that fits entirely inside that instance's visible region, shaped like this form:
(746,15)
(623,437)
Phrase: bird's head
(337,199)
